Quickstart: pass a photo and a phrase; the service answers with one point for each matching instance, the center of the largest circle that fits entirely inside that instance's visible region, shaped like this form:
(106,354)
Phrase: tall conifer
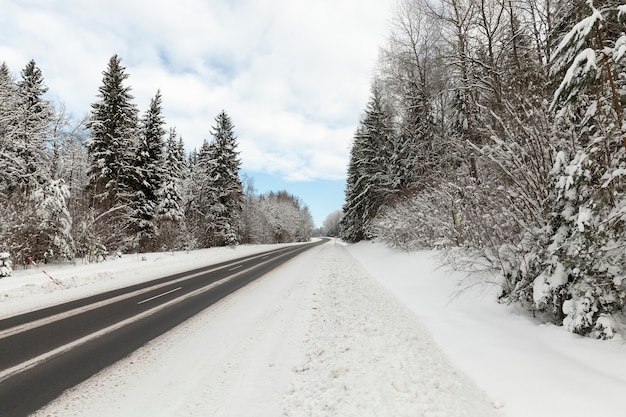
(224,215)
(114,131)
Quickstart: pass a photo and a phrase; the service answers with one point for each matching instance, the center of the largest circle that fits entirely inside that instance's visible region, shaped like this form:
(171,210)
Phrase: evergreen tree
(149,175)
(170,215)
(413,159)
(34,125)
(112,172)
(37,220)
(579,269)
(9,111)
(224,215)
(370,173)
(199,196)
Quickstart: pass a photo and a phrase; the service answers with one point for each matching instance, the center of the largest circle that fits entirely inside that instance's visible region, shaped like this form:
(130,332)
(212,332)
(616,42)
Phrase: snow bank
(367,354)
(530,369)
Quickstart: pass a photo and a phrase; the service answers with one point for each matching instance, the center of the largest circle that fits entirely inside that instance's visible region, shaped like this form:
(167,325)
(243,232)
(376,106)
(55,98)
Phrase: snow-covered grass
(358,330)
(531,369)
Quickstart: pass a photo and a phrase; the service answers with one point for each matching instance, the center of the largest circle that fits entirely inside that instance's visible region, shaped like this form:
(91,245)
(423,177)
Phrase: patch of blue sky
(321,196)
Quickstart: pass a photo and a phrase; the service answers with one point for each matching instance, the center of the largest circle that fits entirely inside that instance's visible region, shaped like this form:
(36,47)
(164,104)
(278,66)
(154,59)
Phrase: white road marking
(235,267)
(160,295)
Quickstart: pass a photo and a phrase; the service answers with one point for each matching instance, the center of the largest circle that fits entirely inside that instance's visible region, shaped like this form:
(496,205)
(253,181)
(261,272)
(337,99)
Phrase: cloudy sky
(294,75)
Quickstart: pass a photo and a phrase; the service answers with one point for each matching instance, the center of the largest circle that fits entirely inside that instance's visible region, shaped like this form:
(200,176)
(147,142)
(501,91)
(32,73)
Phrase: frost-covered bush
(451,214)
(5,264)
(575,266)
(574,270)
(55,223)
(415,221)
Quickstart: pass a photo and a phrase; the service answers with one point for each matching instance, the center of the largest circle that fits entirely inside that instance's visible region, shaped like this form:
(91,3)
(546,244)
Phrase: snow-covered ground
(358,330)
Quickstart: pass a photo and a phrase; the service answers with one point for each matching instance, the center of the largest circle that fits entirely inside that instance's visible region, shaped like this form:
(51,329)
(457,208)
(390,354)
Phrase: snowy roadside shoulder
(32,288)
(530,369)
(366,354)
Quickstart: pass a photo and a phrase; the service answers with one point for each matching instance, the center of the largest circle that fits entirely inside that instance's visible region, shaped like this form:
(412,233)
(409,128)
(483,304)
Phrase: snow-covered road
(354,330)
(317,337)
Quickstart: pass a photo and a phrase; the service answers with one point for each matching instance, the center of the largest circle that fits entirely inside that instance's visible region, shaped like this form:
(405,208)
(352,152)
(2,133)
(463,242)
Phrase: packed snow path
(317,337)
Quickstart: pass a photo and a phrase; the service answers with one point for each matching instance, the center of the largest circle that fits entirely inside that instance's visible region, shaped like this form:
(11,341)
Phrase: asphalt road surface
(45,352)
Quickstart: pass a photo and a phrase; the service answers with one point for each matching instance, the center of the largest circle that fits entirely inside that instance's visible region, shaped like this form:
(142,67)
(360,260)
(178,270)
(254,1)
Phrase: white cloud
(293,75)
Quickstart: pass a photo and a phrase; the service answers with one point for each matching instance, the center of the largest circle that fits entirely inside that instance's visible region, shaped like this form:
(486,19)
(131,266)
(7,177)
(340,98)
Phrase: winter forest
(120,181)
(495,131)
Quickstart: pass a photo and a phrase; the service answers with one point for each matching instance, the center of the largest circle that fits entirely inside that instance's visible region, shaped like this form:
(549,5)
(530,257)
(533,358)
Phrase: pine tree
(199,196)
(170,215)
(37,220)
(224,215)
(9,112)
(112,171)
(34,124)
(370,173)
(149,175)
(413,158)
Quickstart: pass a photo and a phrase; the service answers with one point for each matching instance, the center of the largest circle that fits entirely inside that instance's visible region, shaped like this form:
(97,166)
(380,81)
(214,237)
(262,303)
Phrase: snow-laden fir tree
(409,74)
(224,214)
(370,171)
(149,172)
(36,222)
(170,214)
(34,123)
(9,111)
(114,131)
(198,196)
(9,161)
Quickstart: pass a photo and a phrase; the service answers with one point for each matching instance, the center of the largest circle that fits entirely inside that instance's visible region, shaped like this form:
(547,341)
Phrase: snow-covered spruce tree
(197,196)
(579,275)
(148,180)
(170,214)
(36,222)
(45,228)
(9,112)
(34,124)
(9,163)
(224,214)
(408,74)
(114,132)
(8,179)
(370,171)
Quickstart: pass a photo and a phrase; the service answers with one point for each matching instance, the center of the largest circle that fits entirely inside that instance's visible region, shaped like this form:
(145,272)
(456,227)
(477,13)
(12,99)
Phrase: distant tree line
(120,181)
(495,128)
